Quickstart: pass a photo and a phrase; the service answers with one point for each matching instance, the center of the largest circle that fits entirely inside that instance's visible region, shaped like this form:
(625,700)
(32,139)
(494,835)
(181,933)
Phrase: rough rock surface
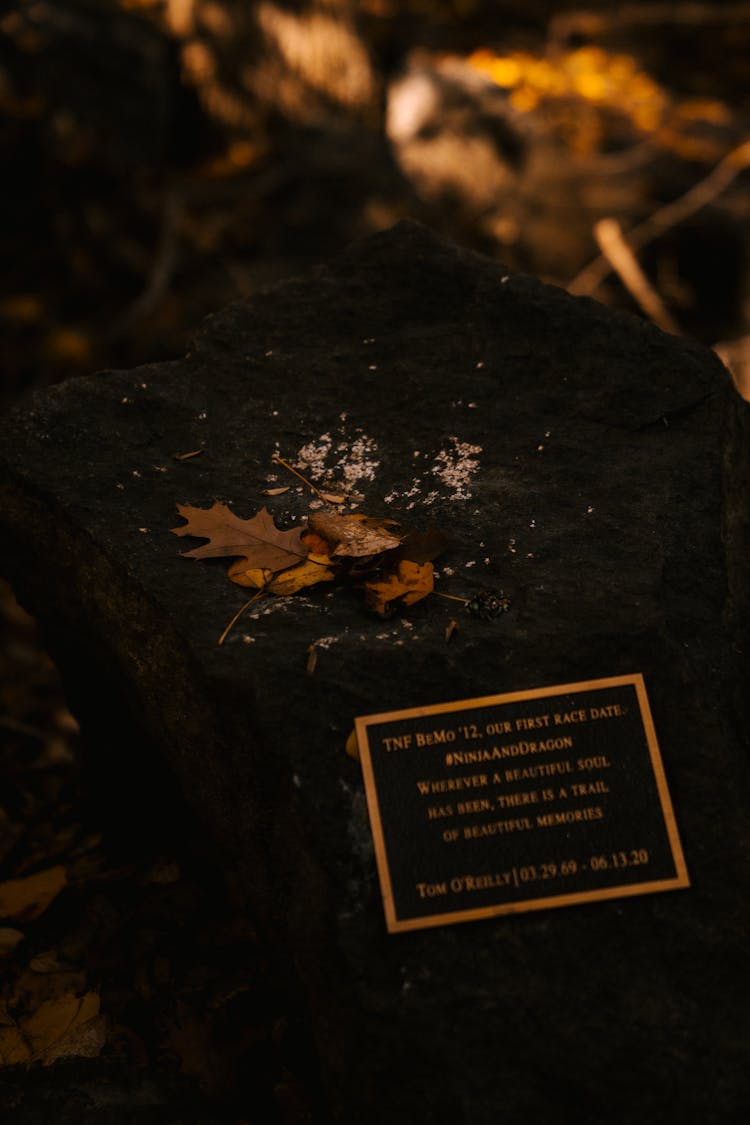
(592,467)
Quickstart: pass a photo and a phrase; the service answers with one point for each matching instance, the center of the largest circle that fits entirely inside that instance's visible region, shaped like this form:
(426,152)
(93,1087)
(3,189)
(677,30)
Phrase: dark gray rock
(609,499)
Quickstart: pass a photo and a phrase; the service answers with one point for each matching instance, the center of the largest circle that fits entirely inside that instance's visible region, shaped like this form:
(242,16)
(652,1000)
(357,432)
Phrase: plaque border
(396,925)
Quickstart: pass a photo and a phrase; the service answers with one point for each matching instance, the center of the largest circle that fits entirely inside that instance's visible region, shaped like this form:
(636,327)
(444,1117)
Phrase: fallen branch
(670,215)
(611,241)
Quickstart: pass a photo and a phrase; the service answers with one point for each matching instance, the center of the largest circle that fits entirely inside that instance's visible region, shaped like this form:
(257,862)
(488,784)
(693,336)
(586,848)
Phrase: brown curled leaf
(405,586)
(352,536)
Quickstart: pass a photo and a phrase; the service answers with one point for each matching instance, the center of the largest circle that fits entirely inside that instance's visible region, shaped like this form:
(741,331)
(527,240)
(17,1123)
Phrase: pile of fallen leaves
(392,570)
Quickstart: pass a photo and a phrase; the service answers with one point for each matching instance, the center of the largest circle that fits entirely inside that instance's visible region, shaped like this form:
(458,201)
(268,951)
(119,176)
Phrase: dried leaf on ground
(352,746)
(9,939)
(423,546)
(65,1025)
(254,576)
(26,898)
(257,540)
(315,569)
(353,536)
(408,584)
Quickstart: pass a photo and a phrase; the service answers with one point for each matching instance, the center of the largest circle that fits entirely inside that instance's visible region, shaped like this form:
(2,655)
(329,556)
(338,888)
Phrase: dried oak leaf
(63,1026)
(406,585)
(257,541)
(353,537)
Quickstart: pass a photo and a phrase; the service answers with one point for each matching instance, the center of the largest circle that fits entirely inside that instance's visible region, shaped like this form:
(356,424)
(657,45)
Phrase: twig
(239,613)
(451,597)
(729,167)
(611,241)
(310,485)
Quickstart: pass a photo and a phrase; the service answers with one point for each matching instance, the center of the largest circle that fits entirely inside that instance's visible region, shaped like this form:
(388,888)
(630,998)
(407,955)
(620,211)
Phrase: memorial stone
(592,476)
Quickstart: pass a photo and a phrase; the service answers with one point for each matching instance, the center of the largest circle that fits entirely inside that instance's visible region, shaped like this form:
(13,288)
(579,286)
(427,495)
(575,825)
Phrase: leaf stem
(310,485)
(451,597)
(239,613)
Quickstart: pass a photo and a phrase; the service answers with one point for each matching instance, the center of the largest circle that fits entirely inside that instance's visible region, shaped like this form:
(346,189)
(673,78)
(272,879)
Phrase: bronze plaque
(518,802)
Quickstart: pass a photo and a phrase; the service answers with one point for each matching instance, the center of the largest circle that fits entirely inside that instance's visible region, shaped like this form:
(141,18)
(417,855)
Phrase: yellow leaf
(244,576)
(315,568)
(9,939)
(26,898)
(352,746)
(68,1025)
(55,1018)
(409,584)
(13,1047)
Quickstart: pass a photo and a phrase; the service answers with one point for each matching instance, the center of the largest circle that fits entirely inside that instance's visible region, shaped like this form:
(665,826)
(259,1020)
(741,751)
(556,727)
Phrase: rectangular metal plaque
(518,802)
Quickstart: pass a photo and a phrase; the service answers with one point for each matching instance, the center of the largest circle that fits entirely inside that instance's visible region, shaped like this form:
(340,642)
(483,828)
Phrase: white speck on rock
(247,639)
(325,642)
(143,530)
(202,416)
(472,563)
(358,460)
(456,465)
(313,456)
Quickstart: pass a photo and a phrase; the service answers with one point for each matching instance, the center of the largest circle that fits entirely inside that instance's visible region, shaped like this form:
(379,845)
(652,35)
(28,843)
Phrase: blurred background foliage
(162,157)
